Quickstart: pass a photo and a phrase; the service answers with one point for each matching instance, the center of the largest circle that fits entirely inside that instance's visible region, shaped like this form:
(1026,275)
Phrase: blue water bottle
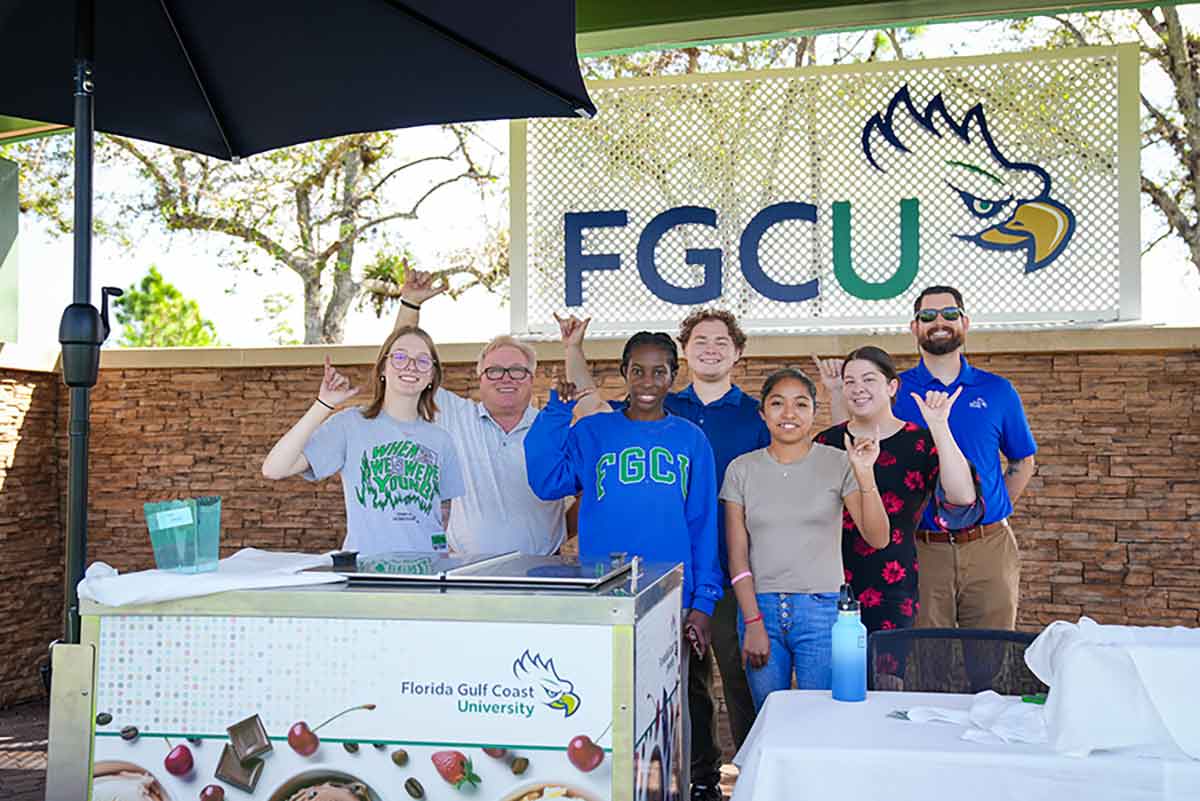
(849,650)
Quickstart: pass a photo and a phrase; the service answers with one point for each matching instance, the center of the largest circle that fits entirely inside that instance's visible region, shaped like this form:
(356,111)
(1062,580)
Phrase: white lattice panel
(1022,169)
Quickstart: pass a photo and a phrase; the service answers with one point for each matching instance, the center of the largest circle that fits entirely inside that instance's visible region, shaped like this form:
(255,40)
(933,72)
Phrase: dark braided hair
(656,339)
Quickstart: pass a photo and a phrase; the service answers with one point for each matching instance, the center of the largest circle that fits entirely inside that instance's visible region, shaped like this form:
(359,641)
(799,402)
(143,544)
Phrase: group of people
(904,497)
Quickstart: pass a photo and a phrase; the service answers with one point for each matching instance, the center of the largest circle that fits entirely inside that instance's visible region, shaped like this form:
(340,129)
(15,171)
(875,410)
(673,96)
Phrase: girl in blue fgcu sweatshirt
(648,479)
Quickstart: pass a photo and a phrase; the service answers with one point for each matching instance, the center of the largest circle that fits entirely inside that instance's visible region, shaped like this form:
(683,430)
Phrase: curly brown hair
(700,315)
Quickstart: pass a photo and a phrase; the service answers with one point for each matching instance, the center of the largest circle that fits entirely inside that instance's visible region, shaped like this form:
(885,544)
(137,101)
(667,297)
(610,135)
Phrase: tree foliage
(312,209)
(156,315)
(1170,179)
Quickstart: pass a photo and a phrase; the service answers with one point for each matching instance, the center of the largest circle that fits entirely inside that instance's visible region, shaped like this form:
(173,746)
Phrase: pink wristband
(739,577)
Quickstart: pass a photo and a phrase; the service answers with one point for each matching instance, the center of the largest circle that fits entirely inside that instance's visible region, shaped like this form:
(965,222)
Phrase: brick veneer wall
(31,545)
(1110,526)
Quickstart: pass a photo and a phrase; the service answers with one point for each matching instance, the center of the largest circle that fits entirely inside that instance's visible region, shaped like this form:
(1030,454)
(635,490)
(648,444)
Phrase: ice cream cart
(511,678)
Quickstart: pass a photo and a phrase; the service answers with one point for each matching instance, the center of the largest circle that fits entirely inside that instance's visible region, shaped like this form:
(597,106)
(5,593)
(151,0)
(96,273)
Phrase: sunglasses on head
(949,314)
(400,359)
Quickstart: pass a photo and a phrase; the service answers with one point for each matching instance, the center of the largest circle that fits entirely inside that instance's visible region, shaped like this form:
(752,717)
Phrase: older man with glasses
(499,512)
(969,578)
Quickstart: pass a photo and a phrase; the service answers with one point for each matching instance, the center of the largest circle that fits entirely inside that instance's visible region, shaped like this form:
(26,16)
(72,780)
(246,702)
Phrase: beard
(940,347)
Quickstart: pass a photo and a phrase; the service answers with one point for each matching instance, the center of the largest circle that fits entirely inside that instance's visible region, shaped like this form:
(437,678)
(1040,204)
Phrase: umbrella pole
(80,331)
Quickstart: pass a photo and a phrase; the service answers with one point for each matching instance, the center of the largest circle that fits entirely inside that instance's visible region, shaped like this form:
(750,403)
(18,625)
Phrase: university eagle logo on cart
(540,674)
(1009,202)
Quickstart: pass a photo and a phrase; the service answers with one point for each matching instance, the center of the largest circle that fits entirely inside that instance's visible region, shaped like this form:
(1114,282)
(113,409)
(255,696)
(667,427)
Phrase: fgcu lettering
(664,468)
(648,489)
(986,200)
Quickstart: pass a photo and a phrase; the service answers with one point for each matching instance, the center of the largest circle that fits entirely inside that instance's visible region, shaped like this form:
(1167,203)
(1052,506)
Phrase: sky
(453,218)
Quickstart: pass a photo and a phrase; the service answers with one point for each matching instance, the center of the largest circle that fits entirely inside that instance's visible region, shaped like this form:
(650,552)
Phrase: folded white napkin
(1120,687)
(248,569)
(991,718)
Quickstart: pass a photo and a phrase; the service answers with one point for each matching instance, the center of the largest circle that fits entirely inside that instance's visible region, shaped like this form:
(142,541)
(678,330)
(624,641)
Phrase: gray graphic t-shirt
(394,477)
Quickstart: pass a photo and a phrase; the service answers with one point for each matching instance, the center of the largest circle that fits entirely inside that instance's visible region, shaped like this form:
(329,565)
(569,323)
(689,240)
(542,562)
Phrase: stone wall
(31,544)
(1110,526)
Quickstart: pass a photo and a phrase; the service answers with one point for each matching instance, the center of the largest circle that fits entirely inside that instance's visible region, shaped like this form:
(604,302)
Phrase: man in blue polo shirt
(969,578)
(712,343)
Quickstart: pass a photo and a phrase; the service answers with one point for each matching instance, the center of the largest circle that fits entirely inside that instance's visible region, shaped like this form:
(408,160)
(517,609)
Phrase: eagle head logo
(553,690)
(989,200)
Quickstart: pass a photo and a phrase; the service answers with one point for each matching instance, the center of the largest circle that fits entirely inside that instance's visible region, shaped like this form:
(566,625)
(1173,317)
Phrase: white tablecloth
(805,745)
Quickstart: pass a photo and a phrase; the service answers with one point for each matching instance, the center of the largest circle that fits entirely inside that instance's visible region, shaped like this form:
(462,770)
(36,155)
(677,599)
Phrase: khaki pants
(970,585)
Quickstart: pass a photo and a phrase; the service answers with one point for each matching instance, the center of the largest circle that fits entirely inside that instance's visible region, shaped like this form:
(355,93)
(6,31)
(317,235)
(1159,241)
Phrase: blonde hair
(426,407)
(506,341)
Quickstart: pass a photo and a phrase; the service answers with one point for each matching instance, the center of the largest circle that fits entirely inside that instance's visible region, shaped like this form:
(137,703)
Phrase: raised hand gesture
(564,388)
(420,286)
(335,387)
(830,371)
(572,329)
(863,451)
(935,406)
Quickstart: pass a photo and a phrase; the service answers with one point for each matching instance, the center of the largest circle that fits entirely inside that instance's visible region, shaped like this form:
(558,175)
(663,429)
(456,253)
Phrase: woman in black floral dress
(914,466)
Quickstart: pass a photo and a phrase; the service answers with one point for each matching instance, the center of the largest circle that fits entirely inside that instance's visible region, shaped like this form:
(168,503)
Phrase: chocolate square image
(242,775)
(249,738)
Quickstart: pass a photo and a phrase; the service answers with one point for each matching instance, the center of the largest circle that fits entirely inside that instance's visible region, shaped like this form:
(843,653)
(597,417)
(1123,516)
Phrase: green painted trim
(359,740)
(818,20)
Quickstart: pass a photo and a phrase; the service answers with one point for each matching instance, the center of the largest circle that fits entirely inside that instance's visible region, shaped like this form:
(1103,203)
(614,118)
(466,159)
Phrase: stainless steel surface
(72,693)
(654,587)
(441,565)
(537,572)
(613,604)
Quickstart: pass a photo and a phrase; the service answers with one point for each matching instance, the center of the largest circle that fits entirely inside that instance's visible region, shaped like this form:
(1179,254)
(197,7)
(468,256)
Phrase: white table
(805,745)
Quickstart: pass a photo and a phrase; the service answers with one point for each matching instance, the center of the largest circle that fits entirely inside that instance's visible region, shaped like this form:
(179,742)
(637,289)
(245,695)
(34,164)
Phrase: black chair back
(951,661)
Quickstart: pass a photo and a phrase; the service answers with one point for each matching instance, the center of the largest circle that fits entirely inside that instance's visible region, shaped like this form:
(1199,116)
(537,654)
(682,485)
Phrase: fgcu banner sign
(825,197)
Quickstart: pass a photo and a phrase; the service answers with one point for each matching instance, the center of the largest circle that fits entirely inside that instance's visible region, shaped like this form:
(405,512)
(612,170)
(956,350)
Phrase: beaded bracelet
(754,619)
(739,577)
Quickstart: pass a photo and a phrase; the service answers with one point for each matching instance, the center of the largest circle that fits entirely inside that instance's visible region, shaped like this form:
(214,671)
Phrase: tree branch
(1157,240)
(194,221)
(379,184)
(1072,29)
(1176,219)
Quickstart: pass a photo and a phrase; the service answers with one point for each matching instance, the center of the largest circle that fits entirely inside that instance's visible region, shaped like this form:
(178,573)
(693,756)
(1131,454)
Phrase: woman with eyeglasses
(399,471)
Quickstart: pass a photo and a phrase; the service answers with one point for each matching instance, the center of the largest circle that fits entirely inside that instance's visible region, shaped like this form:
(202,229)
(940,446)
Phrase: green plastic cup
(185,534)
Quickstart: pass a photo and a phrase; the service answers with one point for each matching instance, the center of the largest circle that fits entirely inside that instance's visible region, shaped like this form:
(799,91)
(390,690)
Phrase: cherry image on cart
(179,761)
(304,741)
(583,752)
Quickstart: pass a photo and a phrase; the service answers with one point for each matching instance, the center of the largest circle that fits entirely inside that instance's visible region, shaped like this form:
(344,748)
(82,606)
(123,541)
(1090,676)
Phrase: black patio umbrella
(230,78)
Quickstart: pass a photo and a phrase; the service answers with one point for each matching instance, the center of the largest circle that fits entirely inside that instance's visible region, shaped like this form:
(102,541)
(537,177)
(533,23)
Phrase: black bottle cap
(846,600)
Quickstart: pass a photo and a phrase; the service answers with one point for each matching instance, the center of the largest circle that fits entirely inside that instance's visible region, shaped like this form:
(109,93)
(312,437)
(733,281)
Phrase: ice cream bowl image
(548,791)
(113,780)
(324,785)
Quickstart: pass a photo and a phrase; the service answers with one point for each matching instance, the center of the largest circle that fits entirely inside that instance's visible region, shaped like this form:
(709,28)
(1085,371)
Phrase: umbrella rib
(212,112)
(580,108)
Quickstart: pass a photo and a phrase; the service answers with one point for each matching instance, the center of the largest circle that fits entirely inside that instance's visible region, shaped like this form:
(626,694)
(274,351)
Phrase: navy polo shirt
(987,420)
(733,427)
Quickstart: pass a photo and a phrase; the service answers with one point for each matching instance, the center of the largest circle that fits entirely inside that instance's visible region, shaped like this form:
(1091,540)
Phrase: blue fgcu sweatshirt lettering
(648,488)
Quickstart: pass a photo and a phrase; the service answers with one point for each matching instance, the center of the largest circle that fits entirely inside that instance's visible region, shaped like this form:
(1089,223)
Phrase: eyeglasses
(517,373)
(949,314)
(400,359)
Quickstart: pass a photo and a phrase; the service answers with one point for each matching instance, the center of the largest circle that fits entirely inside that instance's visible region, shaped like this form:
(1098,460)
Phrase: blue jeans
(800,628)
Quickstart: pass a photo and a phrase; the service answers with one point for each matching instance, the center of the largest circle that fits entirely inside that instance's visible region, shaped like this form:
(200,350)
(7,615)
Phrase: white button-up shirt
(499,512)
